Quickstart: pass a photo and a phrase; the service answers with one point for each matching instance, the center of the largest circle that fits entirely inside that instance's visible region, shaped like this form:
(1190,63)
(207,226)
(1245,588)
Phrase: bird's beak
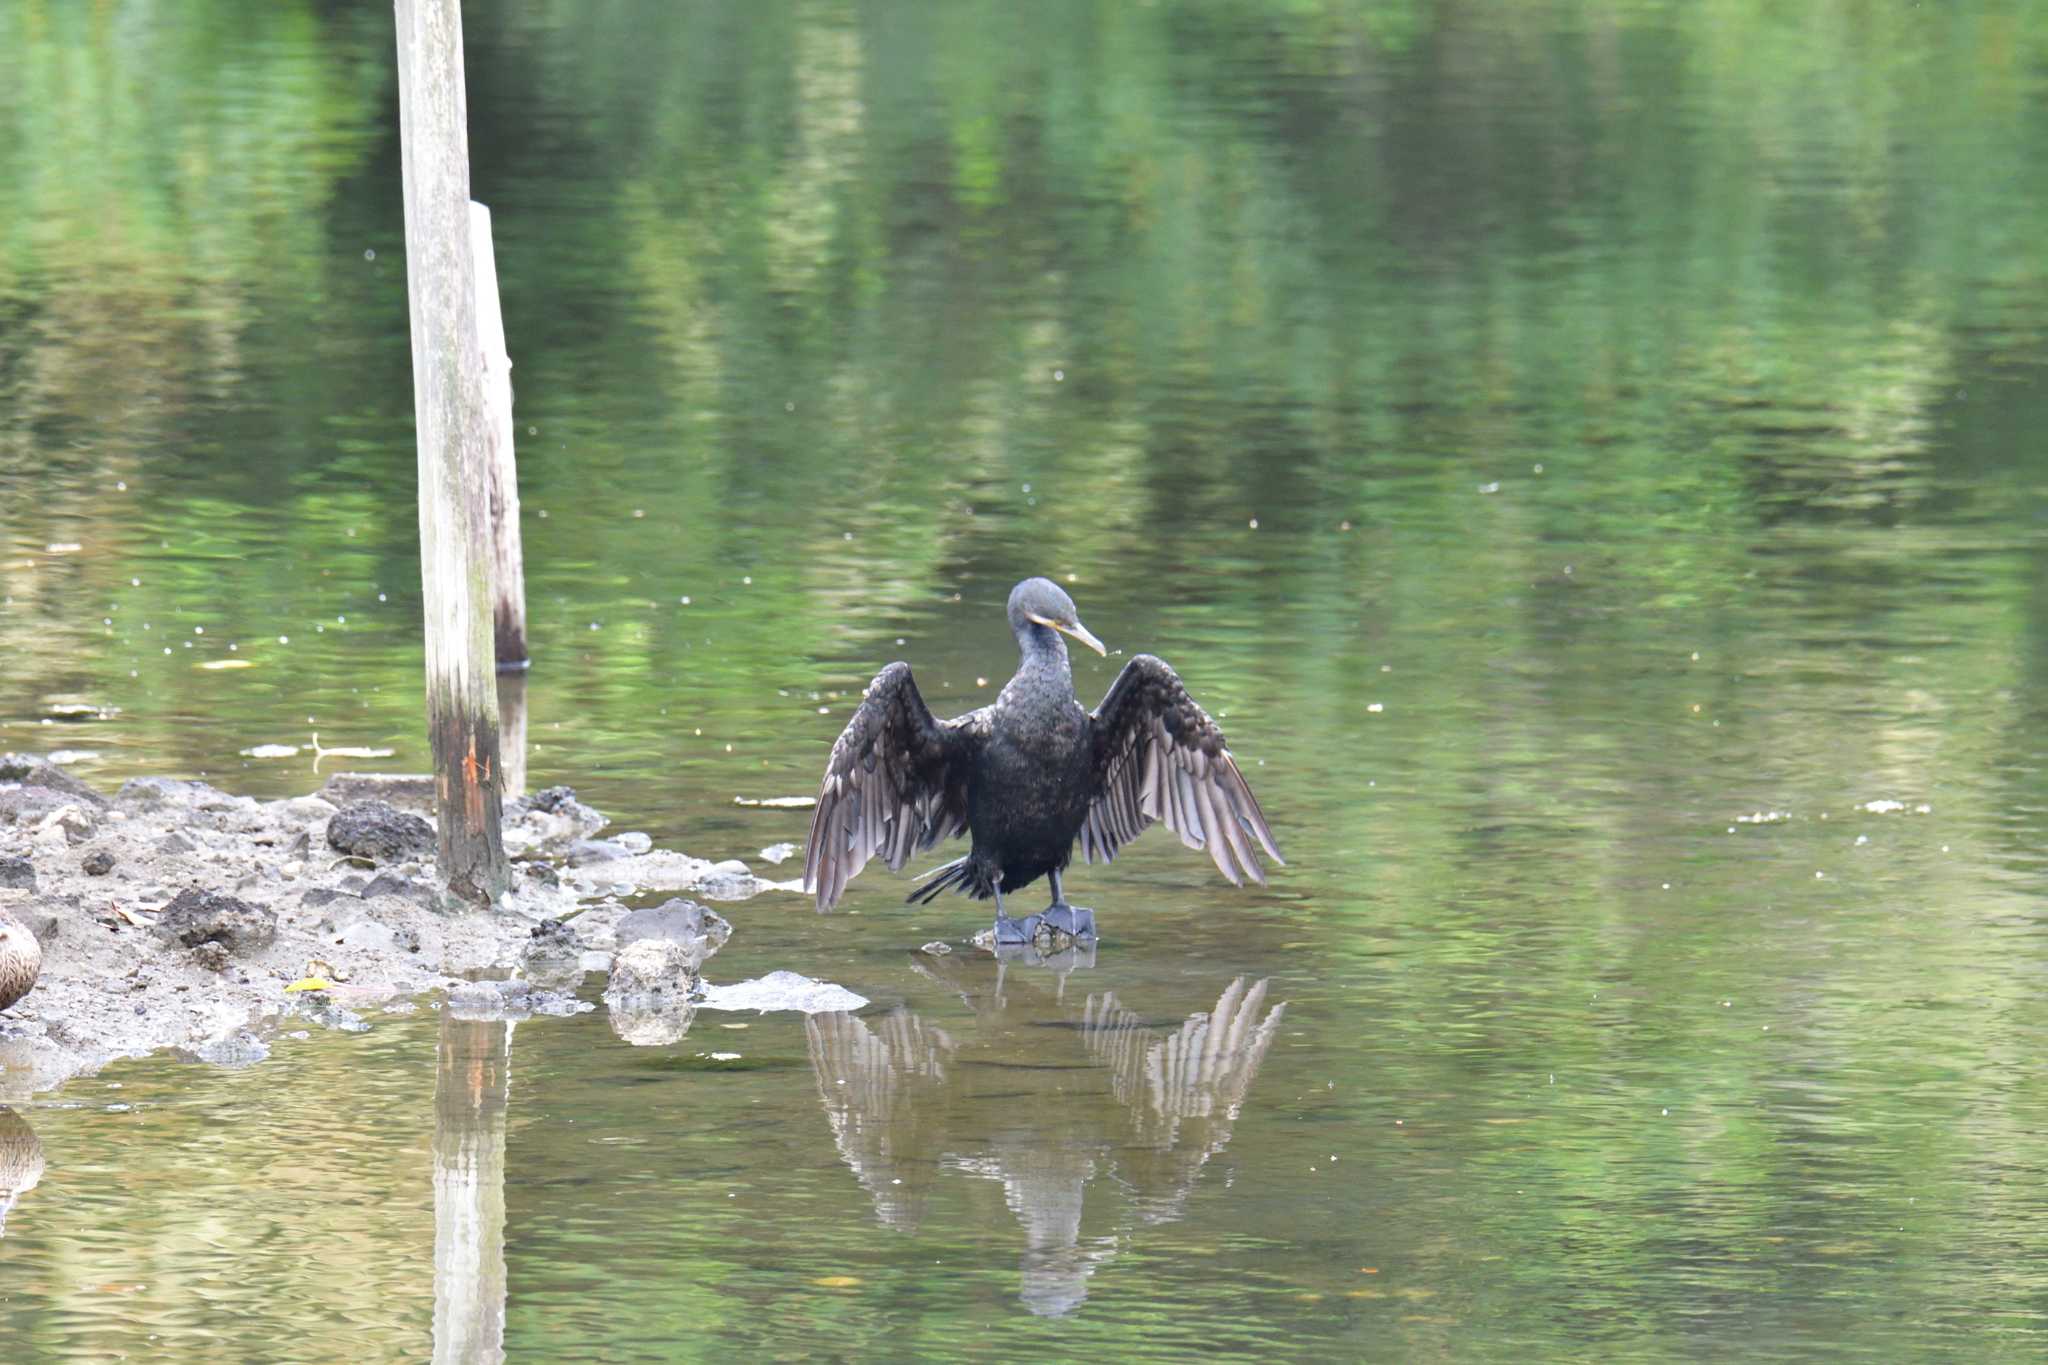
(1075,629)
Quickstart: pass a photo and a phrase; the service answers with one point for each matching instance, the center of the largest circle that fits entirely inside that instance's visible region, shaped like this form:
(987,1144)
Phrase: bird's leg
(1011,930)
(1074,921)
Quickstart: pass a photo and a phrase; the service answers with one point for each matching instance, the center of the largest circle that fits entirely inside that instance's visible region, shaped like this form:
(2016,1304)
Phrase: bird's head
(1040,601)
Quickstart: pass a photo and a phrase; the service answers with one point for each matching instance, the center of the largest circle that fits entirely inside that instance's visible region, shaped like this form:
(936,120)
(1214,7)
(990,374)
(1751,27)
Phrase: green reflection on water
(1637,404)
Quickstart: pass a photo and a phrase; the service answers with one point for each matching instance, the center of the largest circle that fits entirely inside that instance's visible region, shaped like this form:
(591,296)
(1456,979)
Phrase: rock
(307,810)
(28,805)
(700,932)
(211,955)
(553,956)
(39,918)
(778,853)
(374,936)
(652,969)
(75,825)
(380,832)
(239,1049)
(31,771)
(176,844)
(17,874)
(783,991)
(548,820)
(197,917)
(407,791)
(315,1008)
(730,880)
(154,793)
(97,863)
(542,873)
(584,852)
(490,1000)
(391,884)
(549,799)
(633,841)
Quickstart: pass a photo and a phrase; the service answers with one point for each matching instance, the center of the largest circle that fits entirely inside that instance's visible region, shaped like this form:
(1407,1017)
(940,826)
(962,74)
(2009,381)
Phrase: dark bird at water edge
(1029,776)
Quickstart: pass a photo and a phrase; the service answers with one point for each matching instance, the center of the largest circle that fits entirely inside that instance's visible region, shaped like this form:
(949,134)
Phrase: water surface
(1584,454)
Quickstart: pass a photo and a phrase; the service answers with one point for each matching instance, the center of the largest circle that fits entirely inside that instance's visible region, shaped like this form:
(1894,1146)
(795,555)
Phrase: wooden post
(454,450)
(508,562)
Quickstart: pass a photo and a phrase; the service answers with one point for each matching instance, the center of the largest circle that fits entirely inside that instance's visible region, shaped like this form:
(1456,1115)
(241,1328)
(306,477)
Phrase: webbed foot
(1017,930)
(1070,921)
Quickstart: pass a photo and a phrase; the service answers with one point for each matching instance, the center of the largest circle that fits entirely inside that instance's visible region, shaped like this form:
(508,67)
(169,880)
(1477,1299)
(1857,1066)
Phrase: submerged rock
(315,1008)
(655,1024)
(649,991)
(651,969)
(380,832)
(197,917)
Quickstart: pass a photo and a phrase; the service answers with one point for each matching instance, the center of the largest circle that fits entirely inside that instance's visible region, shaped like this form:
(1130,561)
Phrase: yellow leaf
(837,1281)
(310,983)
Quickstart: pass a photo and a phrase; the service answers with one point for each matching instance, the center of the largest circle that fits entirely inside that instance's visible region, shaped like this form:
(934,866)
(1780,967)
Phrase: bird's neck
(1043,652)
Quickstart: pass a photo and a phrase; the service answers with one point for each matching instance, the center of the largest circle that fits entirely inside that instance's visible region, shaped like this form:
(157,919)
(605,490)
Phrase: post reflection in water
(1018,1102)
(21,1161)
(471,1088)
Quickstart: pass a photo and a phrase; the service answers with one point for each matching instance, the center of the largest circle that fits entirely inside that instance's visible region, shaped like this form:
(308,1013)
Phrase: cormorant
(1030,775)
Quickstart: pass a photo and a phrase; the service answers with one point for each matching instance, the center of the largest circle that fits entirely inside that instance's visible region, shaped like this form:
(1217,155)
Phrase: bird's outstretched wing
(1158,756)
(896,783)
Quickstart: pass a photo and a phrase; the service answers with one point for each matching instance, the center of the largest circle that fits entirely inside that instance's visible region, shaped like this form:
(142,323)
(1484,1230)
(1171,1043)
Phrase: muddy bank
(172,914)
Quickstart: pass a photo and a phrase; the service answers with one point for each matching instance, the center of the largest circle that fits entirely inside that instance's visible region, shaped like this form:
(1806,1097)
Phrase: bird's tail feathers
(958,875)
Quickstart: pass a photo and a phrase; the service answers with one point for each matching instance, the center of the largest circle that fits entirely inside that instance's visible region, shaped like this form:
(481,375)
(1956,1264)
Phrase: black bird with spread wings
(1030,775)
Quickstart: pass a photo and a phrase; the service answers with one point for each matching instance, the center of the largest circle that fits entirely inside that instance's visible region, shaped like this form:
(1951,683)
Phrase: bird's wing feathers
(896,783)
(1158,756)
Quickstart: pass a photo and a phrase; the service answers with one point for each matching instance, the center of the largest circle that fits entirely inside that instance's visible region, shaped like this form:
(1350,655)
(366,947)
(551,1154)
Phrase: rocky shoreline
(176,915)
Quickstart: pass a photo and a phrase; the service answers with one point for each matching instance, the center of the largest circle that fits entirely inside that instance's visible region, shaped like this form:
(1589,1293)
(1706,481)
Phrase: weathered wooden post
(508,562)
(454,451)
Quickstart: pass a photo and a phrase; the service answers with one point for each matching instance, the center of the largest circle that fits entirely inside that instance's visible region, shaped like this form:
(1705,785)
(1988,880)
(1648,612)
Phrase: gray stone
(154,793)
(76,822)
(28,805)
(307,810)
(584,852)
(380,832)
(700,932)
(17,874)
(40,920)
(391,884)
(31,771)
(176,844)
(195,917)
(97,863)
(490,1000)
(407,791)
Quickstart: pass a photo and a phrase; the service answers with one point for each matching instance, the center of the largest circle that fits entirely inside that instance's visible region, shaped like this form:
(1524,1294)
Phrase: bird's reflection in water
(21,1161)
(1046,1090)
